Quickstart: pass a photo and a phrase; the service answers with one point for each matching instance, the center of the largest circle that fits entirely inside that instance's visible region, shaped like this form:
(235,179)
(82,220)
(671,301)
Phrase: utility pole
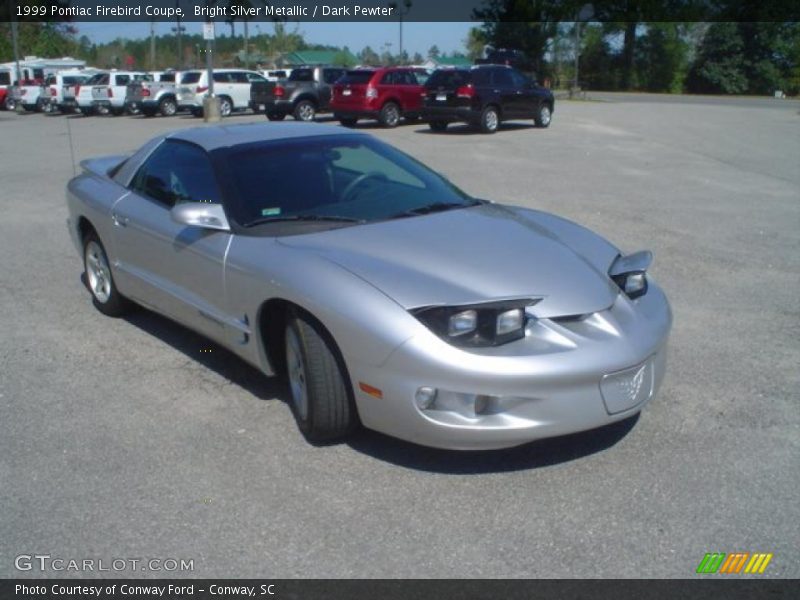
(152,44)
(246,48)
(210,101)
(179,29)
(15,42)
(401,13)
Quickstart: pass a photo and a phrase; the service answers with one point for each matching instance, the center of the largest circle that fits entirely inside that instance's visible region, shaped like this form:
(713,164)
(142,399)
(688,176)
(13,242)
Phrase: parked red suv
(385,94)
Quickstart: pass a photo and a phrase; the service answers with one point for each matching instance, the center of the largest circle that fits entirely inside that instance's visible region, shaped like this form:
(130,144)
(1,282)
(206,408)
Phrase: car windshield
(341,178)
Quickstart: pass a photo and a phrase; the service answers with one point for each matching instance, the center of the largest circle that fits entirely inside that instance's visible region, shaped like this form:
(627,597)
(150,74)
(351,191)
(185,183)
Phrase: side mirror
(201,214)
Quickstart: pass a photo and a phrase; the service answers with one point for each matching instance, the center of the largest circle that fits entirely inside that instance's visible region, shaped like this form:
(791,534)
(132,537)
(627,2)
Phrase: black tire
(167,107)
(348,122)
(197,112)
(225,106)
(117,112)
(312,357)
(544,114)
(276,116)
(438,126)
(39,105)
(149,112)
(490,120)
(110,302)
(304,111)
(85,111)
(390,115)
(9,103)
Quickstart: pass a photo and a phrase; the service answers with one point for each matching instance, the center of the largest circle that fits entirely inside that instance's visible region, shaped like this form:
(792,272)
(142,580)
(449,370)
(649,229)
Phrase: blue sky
(417,36)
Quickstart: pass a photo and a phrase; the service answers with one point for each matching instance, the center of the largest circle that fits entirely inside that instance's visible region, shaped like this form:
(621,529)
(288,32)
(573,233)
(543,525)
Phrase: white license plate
(441,97)
(347,92)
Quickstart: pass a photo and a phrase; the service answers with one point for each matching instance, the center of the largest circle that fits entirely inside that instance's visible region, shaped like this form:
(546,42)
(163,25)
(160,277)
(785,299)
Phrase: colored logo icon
(736,562)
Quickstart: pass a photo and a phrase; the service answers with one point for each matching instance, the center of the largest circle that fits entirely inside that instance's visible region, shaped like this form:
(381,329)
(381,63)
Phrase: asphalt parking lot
(121,439)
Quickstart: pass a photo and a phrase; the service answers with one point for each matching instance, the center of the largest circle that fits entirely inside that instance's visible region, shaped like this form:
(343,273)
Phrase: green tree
(475,43)
(662,58)
(368,56)
(719,67)
(434,52)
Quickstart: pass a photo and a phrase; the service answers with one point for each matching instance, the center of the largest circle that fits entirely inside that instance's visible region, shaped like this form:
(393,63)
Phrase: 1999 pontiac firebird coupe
(387,296)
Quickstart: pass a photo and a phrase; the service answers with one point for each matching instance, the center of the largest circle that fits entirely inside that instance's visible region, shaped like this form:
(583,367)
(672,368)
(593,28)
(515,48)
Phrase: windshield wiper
(277,219)
(433,208)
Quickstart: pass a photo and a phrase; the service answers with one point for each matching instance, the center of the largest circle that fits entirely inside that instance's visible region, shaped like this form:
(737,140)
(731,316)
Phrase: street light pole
(401,13)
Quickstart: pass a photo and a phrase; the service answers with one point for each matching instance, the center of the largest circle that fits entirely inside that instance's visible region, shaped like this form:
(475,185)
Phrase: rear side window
(448,79)
(168,78)
(222,77)
(238,77)
(302,75)
(332,75)
(123,79)
(357,77)
(251,77)
(74,80)
(390,78)
(193,77)
(5,78)
(502,77)
(177,172)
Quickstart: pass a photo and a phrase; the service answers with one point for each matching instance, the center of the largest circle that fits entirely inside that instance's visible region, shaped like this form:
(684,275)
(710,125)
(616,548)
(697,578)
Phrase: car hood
(473,255)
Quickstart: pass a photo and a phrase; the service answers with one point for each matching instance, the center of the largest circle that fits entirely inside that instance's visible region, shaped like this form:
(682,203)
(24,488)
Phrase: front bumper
(563,377)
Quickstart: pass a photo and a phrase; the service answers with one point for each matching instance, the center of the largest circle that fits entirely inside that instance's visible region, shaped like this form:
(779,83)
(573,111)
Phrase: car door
(527,98)
(223,85)
(240,89)
(176,269)
(327,78)
(506,93)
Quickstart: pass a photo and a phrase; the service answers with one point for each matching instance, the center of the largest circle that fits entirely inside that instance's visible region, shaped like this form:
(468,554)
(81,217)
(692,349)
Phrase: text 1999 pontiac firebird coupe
(387,296)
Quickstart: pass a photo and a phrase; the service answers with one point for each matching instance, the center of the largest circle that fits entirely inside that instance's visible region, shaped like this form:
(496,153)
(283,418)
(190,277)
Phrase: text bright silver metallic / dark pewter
(388,296)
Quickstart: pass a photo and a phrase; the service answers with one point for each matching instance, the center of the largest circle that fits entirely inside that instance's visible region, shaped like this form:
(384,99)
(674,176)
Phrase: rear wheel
(167,107)
(305,111)
(490,120)
(437,125)
(348,122)
(543,116)
(99,279)
(9,103)
(390,115)
(276,116)
(321,395)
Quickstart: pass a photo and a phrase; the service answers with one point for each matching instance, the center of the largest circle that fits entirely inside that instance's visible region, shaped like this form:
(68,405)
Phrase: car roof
(223,136)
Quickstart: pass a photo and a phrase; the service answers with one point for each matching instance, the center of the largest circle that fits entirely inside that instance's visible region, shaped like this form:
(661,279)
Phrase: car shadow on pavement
(466,129)
(541,453)
(210,355)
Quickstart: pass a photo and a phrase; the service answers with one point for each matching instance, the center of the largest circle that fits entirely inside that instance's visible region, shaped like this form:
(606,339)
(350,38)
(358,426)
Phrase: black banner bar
(387,11)
(381,589)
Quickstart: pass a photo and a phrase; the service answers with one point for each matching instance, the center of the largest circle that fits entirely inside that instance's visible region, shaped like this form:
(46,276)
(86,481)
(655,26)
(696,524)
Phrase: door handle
(119,221)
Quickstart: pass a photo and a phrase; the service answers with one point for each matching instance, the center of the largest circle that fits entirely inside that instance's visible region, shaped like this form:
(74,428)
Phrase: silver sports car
(387,296)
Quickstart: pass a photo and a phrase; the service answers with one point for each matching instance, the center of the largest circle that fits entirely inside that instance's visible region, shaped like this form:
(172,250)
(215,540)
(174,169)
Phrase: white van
(231,86)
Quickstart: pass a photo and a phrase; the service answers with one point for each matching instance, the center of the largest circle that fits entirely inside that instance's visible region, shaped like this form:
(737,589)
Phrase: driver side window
(177,172)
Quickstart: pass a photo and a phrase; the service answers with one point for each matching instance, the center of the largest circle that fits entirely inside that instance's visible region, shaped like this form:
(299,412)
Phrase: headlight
(489,324)
(629,273)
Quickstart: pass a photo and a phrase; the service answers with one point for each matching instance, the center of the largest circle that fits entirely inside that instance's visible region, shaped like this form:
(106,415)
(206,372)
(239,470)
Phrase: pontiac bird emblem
(633,386)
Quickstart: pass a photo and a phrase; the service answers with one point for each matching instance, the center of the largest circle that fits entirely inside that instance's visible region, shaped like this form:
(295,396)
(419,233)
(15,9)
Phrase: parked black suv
(484,95)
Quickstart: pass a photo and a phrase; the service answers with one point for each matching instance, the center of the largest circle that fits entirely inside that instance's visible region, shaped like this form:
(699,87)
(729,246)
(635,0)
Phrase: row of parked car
(482,95)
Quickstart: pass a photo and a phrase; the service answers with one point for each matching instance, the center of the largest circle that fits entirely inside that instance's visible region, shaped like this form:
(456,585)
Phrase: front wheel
(543,116)
(321,396)
(305,111)
(99,279)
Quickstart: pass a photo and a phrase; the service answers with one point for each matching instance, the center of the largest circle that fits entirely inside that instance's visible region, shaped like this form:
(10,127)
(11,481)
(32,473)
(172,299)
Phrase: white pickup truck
(109,95)
(152,97)
(55,86)
(78,97)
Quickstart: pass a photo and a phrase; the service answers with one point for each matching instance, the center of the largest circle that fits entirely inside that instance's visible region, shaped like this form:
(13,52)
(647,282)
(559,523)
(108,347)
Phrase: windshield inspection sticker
(270,212)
